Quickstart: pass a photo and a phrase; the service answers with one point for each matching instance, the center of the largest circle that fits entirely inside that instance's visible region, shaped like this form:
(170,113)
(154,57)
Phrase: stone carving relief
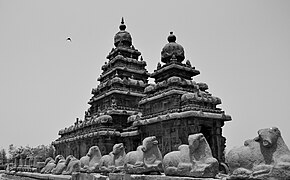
(115,160)
(90,162)
(146,159)
(49,165)
(264,157)
(60,165)
(193,160)
(72,165)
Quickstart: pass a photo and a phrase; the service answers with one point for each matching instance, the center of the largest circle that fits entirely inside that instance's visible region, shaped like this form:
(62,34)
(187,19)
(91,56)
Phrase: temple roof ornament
(122,38)
(172,50)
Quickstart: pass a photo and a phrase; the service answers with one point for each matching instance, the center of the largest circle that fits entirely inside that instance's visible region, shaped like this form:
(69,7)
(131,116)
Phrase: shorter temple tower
(176,106)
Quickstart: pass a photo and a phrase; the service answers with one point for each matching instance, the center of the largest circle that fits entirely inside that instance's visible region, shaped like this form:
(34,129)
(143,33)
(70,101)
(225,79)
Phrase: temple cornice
(191,70)
(89,135)
(161,95)
(141,72)
(117,92)
(124,61)
(182,115)
(117,50)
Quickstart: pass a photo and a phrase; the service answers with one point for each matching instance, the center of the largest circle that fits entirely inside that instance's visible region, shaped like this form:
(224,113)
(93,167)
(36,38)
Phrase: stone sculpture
(115,160)
(264,157)
(193,160)
(90,162)
(147,159)
(49,165)
(72,165)
(60,165)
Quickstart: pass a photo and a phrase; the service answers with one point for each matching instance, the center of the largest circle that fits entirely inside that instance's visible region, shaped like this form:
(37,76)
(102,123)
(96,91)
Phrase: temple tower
(125,108)
(177,106)
(121,87)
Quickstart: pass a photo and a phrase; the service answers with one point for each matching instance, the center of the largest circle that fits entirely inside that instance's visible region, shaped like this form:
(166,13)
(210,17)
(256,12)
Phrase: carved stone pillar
(16,161)
(36,159)
(220,141)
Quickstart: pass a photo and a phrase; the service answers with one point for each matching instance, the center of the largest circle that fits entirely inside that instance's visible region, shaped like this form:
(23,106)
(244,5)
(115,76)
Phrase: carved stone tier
(116,83)
(125,71)
(121,61)
(89,135)
(117,91)
(182,115)
(174,69)
(129,52)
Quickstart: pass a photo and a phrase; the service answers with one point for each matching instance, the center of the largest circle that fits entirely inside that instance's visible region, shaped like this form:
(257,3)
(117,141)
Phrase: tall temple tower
(176,106)
(125,108)
(121,87)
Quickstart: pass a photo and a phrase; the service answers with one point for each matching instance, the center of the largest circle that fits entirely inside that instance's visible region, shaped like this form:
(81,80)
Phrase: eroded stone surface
(60,165)
(264,157)
(115,160)
(49,165)
(146,159)
(86,176)
(120,176)
(193,160)
(72,165)
(90,162)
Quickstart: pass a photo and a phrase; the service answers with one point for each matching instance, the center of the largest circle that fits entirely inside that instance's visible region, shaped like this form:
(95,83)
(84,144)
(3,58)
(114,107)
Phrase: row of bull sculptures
(147,159)
(264,157)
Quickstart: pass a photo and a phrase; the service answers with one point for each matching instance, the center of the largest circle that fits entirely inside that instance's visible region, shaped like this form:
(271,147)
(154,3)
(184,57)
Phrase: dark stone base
(86,176)
(94,176)
(33,176)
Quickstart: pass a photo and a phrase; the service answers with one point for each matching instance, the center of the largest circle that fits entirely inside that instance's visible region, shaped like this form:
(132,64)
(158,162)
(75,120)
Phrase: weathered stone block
(90,162)
(60,177)
(146,159)
(265,157)
(193,160)
(86,176)
(120,176)
(114,161)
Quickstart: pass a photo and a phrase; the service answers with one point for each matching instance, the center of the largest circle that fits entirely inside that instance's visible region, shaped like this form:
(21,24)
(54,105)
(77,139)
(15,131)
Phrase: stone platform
(119,176)
(33,176)
(93,176)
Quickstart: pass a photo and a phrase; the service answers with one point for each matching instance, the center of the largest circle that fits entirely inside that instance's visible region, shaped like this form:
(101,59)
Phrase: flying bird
(68,39)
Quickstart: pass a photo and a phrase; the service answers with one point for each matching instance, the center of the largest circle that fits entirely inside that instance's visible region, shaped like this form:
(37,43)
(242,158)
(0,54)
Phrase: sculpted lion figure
(262,156)
(115,160)
(90,162)
(72,165)
(146,159)
(49,165)
(193,160)
(60,165)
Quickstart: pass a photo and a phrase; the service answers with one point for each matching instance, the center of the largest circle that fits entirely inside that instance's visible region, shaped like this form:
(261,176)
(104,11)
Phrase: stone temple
(125,108)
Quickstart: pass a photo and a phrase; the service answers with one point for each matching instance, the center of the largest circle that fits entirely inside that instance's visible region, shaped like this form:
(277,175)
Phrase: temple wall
(172,133)
(105,144)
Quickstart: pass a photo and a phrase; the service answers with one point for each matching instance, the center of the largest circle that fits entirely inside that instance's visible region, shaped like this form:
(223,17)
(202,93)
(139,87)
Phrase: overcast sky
(241,48)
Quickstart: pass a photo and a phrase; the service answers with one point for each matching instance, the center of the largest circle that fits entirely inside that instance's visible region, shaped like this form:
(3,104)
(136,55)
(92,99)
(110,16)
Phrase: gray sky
(242,49)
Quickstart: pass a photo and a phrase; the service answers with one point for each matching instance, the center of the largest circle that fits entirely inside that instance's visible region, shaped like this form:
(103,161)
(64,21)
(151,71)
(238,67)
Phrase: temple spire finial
(122,27)
(171,37)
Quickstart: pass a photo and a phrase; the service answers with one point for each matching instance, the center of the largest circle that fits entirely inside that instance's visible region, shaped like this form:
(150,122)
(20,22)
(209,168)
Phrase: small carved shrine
(126,109)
